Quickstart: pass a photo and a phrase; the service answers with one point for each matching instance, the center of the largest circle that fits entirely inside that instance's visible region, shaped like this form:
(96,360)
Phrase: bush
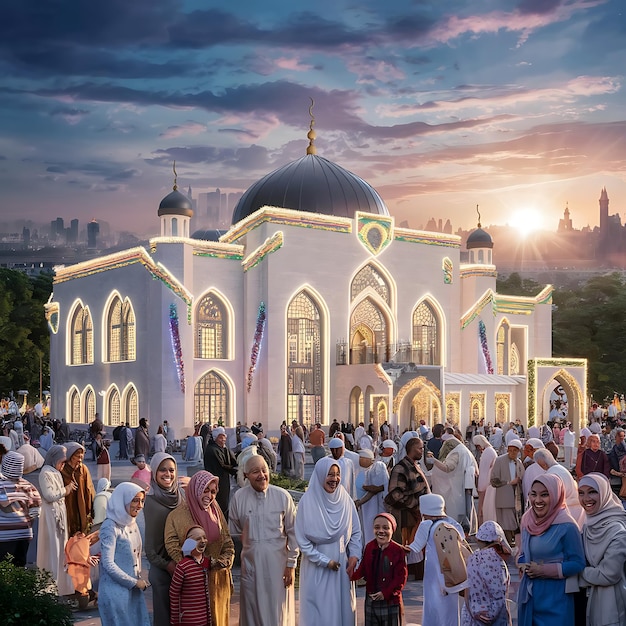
(295,484)
(28,598)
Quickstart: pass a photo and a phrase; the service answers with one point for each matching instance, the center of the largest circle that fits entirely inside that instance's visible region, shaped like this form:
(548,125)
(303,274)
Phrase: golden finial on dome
(175,187)
(477,211)
(311,134)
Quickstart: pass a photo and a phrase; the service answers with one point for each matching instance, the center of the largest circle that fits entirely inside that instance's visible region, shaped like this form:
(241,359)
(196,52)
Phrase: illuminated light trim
(419,381)
(69,335)
(271,244)
(509,305)
(124,417)
(106,402)
(381,269)
(83,403)
(176,346)
(68,405)
(467,271)
(50,309)
(426,237)
(255,351)
(105,327)
(534,364)
(202,248)
(288,217)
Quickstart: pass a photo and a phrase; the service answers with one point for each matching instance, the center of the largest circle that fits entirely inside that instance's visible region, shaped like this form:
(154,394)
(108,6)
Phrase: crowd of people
(378,504)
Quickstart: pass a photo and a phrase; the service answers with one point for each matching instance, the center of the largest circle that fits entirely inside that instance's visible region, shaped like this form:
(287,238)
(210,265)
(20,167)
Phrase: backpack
(453,553)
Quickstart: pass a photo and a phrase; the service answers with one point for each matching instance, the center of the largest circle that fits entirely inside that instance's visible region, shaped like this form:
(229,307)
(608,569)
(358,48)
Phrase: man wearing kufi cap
(506,476)
(337,451)
(532,469)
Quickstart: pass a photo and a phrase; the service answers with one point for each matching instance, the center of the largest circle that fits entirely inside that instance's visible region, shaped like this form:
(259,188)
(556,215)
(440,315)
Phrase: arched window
(82,337)
(304,360)
(212,400)
(113,413)
(368,334)
(425,336)
(211,328)
(369,276)
(131,408)
(74,406)
(515,369)
(120,331)
(502,348)
(90,405)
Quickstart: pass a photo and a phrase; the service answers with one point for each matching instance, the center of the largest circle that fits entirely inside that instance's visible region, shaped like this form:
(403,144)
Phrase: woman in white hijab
(604,540)
(120,594)
(329,535)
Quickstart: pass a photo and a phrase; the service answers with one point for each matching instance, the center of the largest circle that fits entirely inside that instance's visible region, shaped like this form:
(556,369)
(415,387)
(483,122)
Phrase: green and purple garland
(176,347)
(482,332)
(256,344)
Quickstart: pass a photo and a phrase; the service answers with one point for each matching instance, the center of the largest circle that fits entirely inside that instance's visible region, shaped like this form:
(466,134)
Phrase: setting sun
(527,221)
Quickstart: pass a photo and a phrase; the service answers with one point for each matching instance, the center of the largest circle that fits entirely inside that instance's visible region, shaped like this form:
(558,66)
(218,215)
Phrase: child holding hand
(189,589)
(384,569)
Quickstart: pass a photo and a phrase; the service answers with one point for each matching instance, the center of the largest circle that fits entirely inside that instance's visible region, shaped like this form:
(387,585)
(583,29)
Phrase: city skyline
(518,107)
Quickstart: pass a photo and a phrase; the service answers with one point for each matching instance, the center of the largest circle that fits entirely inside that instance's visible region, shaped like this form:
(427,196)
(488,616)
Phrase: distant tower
(93,228)
(565,224)
(479,245)
(604,213)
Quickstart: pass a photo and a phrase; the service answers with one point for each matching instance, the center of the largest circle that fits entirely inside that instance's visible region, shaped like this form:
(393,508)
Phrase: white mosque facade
(313,306)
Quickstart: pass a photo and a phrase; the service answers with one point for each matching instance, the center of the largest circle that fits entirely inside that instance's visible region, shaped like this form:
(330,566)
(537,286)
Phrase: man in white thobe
(263,515)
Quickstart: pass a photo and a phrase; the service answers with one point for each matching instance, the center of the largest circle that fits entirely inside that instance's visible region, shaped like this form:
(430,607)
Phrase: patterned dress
(489,583)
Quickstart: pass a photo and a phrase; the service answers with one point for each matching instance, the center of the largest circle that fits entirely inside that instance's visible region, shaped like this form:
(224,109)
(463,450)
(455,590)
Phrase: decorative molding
(429,238)
(271,244)
(374,232)
(52,313)
(447,267)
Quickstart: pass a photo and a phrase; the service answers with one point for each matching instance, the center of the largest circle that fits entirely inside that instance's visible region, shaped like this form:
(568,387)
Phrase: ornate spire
(175,187)
(311,134)
(477,211)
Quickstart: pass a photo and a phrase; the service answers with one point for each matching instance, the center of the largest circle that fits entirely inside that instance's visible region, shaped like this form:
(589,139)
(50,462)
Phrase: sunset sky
(518,106)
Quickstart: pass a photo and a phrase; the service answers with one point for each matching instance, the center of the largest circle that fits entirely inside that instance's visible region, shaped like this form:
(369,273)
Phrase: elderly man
(506,476)
(348,472)
(488,456)
(406,484)
(533,470)
(263,515)
(221,462)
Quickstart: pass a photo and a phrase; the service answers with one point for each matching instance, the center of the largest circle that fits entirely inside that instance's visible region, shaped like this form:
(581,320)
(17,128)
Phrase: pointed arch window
(82,337)
(74,406)
(502,348)
(425,336)
(368,334)
(90,405)
(120,331)
(114,412)
(212,400)
(131,408)
(304,360)
(369,276)
(211,328)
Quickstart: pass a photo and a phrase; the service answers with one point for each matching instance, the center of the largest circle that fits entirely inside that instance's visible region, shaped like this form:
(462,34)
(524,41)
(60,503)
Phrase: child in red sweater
(189,589)
(384,569)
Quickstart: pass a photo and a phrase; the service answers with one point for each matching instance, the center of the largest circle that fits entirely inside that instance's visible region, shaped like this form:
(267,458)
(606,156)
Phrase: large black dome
(175,203)
(313,184)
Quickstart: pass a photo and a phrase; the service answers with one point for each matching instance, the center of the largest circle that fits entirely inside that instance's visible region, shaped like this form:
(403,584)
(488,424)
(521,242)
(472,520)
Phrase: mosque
(313,306)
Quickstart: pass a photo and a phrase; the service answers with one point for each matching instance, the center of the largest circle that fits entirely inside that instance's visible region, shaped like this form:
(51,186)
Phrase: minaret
(175,212)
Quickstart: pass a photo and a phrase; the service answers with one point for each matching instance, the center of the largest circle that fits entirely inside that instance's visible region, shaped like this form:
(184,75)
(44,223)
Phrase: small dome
(208,234)
(313,184)
(176,203)
(479,238)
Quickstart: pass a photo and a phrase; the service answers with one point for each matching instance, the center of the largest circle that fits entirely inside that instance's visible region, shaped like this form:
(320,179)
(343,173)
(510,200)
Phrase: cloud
(189,128)
(70,115)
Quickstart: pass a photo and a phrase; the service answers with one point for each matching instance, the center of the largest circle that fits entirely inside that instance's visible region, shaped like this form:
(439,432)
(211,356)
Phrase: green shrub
(28,598)
(295,484)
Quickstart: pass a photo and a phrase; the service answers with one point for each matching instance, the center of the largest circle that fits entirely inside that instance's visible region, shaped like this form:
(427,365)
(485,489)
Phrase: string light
(176,347)
(482,332)
(256,344)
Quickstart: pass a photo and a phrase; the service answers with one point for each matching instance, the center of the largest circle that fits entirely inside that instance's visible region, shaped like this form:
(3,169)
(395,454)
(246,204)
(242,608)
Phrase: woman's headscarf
(169,498)
(54,455)
(71,447)
(103,484)
(447,447)
(557,513)
(482,441)
(117,508)
(409,434)
(328,515)
(209,520)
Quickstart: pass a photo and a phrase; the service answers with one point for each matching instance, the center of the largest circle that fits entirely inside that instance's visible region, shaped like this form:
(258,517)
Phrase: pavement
(123,470)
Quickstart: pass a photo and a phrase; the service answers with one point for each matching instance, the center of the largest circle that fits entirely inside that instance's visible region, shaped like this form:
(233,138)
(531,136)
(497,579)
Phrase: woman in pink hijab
(201,509)
(551,552)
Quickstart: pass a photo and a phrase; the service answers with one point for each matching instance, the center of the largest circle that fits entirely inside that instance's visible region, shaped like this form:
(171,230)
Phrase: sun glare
(527,221)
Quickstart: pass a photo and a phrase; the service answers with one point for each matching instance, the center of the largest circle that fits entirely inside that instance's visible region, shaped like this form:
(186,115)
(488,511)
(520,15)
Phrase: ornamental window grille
(114,409)
(131,408)
(368,336)
(425,336)
(82,337)
(211,400)
(74,406)
(120,331)
(304,360)
(502,348)
(211,328)
(90,406)
(369,276)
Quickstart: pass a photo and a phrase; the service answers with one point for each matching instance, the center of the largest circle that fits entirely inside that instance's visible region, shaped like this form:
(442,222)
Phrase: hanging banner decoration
(176,347)
(482,332)
(256,344)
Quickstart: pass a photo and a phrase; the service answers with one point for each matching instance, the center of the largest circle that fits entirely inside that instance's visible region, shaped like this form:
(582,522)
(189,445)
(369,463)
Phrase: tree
(24,338)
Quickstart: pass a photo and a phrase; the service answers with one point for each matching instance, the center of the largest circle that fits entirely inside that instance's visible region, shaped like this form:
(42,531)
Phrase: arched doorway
(418,392)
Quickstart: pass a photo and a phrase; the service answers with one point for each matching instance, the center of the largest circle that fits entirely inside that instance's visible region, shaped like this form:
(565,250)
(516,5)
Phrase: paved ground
(122,470)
